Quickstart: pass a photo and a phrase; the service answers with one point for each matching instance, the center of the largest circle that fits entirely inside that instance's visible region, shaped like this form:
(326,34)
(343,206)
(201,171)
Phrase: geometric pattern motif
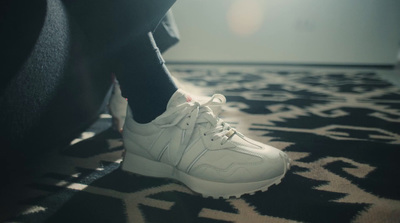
(341,129)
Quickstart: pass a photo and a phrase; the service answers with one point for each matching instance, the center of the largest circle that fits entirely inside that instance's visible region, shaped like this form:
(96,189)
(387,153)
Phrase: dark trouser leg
(144,79)
(166,34)
(120,32)
(110,25)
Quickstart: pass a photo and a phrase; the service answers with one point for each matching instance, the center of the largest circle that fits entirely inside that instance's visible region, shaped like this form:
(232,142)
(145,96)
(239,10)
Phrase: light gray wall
(288,31)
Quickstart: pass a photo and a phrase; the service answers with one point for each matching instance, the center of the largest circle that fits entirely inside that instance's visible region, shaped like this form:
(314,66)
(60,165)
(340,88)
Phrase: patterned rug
(342,130)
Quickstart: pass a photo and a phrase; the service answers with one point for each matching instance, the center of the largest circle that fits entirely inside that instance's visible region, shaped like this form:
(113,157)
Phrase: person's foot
(190,144)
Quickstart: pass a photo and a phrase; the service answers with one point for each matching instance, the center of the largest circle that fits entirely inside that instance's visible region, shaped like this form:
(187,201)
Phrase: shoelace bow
(198,113)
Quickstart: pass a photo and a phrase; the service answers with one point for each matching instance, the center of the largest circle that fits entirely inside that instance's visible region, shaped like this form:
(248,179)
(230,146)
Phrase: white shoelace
(198,113)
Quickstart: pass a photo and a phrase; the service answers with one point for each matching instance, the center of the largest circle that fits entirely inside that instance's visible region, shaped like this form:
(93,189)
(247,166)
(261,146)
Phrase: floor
(81,180)
(390,74)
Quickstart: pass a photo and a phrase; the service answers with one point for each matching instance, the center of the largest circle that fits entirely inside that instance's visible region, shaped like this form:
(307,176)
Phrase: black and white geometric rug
(341,129)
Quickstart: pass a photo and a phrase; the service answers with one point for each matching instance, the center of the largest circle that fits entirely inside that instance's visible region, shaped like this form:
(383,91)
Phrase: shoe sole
(142,166)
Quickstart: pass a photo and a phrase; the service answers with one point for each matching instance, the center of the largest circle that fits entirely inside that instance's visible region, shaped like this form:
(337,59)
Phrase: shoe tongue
(179,97)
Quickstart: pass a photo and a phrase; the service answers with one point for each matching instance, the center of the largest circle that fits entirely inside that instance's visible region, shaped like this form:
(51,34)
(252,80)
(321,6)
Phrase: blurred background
(328,32)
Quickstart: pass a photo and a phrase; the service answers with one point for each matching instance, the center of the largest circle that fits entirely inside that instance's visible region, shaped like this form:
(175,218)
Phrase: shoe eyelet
(212,140)
(187,123)
(204,134)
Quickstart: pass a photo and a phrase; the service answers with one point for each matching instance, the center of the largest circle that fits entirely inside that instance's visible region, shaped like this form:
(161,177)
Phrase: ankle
(145,114)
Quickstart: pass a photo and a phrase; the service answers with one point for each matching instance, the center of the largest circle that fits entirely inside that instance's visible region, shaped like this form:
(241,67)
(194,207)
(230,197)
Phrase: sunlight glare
(245,17)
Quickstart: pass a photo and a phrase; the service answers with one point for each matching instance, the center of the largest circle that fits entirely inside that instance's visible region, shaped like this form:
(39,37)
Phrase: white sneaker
(190,144)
